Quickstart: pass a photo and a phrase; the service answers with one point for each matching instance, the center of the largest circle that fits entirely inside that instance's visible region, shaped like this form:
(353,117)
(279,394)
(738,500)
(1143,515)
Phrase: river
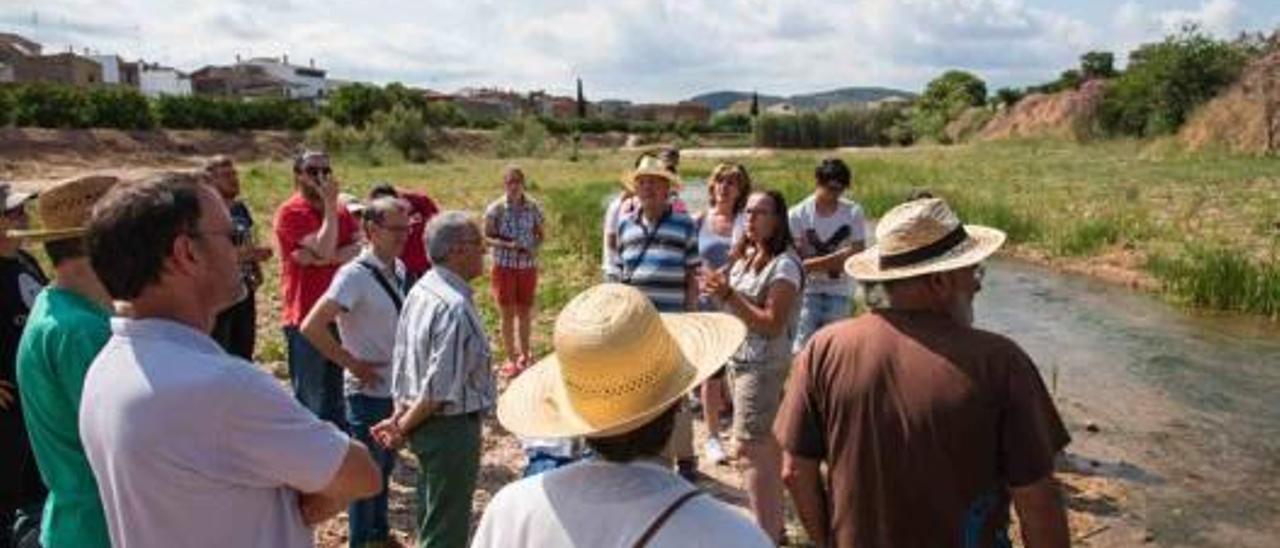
(1186,405)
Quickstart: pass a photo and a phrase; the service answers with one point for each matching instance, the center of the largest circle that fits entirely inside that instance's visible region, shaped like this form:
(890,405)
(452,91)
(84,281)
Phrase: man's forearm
(804,481)
(1041,515)
(326,244)
(415,415)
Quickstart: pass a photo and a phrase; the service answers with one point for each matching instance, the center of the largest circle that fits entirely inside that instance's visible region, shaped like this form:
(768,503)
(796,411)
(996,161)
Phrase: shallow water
(1187,404)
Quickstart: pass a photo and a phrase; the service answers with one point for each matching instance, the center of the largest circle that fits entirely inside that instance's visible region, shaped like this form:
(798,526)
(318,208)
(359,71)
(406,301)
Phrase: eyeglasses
(394,228)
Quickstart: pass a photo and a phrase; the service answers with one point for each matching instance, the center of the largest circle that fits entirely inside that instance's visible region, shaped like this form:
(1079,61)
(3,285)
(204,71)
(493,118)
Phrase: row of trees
(56,106)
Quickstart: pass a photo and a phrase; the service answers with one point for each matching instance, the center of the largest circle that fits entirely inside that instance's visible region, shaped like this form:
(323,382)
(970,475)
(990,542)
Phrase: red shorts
(514,286)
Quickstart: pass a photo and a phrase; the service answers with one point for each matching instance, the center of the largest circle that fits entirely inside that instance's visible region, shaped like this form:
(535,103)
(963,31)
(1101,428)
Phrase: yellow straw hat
(64,208)
(922,237)
(650,166)
(618,363)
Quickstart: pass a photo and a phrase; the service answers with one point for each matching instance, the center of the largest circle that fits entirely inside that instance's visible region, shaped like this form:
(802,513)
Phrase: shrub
(119,108)
(1164,82)
(521,137)
(48,105)
(6,106)
(944,99)
(405,129)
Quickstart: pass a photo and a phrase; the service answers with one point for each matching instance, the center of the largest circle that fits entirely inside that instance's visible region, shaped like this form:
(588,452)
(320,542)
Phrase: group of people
(135,403)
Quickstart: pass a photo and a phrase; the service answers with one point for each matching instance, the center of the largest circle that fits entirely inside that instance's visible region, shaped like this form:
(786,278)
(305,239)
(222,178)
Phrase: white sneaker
(714,452)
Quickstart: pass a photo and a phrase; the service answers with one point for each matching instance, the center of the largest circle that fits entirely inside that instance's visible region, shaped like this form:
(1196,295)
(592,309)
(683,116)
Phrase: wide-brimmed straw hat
(650,166)
(617,365)
(922,237)
(13,199)
(64,208)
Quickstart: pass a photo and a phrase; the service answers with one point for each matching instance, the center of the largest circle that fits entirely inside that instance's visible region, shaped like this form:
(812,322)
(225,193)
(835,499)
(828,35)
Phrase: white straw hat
(922,237)
(617,364)
(650,166)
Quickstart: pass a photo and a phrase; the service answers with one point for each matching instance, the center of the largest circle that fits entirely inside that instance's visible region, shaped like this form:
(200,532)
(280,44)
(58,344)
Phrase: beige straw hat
(618,363)
(922,237)
(653,167)
(64,208)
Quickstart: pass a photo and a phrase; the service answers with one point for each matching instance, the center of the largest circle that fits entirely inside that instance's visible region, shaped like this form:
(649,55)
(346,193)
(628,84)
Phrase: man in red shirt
(315,235)
(421,209)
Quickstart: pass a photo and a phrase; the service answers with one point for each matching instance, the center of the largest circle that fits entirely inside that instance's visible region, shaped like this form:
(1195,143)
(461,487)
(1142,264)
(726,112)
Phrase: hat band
(921,254)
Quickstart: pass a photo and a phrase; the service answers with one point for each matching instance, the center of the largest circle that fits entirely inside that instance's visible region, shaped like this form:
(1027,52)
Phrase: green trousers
(448,453)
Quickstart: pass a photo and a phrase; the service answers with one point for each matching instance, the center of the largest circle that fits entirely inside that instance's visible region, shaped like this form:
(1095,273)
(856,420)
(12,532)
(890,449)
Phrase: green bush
(944,99)
(882,126)
(1223,279)
(1165,82)
(6,106)
(118,108)
(522,137)
(731,122)
(355,104)
(405,129)
(51,106)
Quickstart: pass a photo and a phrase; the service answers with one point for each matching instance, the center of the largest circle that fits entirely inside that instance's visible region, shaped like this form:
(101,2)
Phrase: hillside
(720,100)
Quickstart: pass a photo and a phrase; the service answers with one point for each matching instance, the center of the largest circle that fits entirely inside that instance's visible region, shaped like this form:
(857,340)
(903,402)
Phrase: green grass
(1190,214)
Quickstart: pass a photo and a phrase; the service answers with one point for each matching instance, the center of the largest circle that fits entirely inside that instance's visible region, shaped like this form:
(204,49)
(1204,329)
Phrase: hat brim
(629,179)
(982,243)
(45,235)
(18,199)
(536,404)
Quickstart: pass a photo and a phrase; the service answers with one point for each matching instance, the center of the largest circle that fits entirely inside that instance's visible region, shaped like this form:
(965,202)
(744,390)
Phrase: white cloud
(637,49)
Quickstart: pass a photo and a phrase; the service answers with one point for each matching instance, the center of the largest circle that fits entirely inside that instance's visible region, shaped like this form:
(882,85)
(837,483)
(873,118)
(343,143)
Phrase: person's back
(601,503)
(921,421)
(208,449)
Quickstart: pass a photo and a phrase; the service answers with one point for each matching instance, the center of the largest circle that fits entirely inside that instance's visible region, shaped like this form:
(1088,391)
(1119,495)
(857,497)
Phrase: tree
(1098,64)
(944,99)
(354,104)
(1008,97)
(1165,81)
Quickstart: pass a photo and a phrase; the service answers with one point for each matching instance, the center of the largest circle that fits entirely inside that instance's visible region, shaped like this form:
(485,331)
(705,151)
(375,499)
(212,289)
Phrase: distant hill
(720,100)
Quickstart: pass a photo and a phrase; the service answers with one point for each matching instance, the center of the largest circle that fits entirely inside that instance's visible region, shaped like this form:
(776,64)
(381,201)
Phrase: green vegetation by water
(1205,225)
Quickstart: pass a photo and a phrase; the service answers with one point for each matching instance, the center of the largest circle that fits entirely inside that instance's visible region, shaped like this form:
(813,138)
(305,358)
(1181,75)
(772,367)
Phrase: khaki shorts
(757,393)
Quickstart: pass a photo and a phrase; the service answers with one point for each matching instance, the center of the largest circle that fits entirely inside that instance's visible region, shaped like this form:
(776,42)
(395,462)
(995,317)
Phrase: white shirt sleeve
(269,440)
(344,290)
(859,224)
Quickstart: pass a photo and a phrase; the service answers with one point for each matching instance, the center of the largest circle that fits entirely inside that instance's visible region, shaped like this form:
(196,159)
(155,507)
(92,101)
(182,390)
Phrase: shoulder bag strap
(662,518)
(382,281)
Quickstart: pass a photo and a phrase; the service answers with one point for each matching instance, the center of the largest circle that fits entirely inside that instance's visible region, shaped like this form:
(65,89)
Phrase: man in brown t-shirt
(928,427)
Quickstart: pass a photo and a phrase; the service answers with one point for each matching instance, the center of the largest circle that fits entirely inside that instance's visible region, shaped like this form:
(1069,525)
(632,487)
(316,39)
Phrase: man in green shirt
(68,325)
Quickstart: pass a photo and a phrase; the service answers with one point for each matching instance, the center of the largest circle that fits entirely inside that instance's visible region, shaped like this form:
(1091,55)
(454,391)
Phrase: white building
(306,83)
(155,80)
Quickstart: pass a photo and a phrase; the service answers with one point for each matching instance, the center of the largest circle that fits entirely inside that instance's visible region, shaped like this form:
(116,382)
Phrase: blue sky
(633,49)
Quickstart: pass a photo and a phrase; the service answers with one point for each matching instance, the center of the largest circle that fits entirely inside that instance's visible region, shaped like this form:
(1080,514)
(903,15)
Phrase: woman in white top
(719,240)
(762,289)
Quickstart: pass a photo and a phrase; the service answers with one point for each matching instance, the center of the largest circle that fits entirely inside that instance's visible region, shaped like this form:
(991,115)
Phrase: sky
(656,50)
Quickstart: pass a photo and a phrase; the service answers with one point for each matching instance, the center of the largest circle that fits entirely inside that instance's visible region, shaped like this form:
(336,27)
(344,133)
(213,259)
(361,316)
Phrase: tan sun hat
(922,237)
(618,363)
(650,166)
(64,208)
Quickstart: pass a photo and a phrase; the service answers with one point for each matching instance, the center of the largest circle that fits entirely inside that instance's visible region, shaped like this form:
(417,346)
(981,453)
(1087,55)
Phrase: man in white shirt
(828,229)
(619,391)
(192,446)
(364,300)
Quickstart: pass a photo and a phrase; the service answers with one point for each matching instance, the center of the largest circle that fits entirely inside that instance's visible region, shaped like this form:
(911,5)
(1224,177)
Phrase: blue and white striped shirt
(656,260)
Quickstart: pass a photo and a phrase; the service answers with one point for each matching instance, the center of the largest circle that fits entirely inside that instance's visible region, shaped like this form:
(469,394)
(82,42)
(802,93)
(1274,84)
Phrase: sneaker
(714,452)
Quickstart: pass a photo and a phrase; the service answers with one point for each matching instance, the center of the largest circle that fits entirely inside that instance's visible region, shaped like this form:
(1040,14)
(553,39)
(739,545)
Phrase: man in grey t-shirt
(364,300)
(192,446)
(827,229)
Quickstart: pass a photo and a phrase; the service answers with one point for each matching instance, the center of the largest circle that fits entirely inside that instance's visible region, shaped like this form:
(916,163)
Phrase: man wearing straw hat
(619,371)
(66,328)
(928,426)
(21,490)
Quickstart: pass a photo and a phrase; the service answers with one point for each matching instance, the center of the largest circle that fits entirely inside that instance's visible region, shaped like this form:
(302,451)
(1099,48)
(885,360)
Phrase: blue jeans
(816,311)
(368,517)
(317,383)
